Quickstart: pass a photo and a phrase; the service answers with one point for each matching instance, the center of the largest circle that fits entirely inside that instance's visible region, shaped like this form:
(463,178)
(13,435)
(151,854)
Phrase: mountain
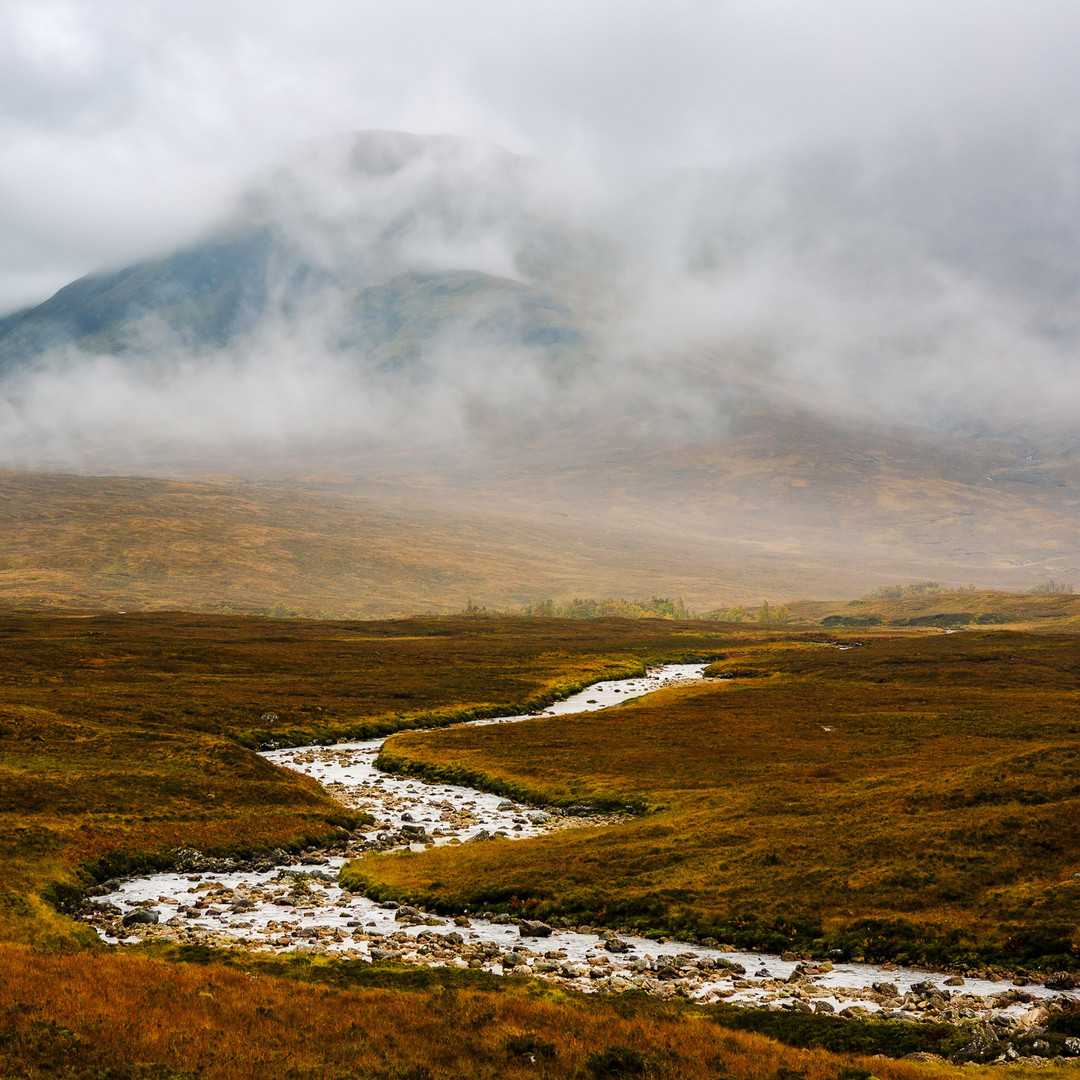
(814,373)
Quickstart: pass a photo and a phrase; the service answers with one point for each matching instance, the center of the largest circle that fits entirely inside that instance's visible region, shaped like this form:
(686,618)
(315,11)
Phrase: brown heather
(121,737)
(131,1016)
(907,797)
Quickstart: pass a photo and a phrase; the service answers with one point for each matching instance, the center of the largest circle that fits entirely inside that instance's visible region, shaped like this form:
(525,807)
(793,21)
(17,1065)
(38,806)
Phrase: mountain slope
(798,376)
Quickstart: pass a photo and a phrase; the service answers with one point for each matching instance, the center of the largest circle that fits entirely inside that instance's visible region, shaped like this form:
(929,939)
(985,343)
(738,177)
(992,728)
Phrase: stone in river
(533,928)
(140,915)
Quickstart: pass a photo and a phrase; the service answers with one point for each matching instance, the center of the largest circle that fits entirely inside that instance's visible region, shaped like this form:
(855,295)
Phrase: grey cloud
(131,117)
(870,204)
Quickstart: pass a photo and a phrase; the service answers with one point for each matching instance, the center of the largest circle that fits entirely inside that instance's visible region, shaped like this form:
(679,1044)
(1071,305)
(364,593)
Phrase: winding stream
(292,903)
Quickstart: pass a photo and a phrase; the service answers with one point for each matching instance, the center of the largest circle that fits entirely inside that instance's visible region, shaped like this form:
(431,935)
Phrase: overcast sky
(126,124)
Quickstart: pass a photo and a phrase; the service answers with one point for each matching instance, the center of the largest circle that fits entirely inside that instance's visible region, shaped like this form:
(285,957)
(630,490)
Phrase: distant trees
(896,592)
(1051,588)
(736,614)
(773,616)
(766,615)
(656,607)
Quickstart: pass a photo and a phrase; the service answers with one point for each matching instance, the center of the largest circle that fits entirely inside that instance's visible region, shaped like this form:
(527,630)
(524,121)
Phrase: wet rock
(380,954)
(887,988)
(1061,980)
(513,959)
(506,804)
(413,834)
(140,917)
(823,1007)
(1033,1017)
(533,928)
(954,980)
(736,969)
(614,945)
(980,1049)
(405,913)
(483,834)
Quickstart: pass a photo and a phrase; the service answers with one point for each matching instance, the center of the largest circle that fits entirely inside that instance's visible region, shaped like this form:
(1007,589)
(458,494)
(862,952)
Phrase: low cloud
(409,291)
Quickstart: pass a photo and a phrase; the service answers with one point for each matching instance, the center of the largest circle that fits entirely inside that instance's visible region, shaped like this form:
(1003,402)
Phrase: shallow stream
(297,904)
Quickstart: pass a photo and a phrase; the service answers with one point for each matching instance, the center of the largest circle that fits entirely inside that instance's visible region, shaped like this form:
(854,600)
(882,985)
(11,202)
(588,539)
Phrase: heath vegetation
(910,798)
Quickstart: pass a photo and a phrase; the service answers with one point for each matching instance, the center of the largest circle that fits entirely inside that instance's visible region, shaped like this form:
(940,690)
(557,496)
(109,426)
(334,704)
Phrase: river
(295,902)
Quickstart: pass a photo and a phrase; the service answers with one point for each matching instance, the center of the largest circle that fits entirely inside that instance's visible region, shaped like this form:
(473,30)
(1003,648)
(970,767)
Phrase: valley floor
(126,738)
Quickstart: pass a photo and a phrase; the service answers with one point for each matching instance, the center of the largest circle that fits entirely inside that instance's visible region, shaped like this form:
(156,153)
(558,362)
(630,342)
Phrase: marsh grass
(123,738)
(914,798)
(139,1016)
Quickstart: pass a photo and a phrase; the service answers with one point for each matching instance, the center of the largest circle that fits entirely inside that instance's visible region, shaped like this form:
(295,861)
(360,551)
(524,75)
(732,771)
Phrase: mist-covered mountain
(921,281)
(855,355)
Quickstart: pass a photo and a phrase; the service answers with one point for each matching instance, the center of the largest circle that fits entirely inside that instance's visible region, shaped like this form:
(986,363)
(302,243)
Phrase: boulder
(1061,980)
(730,965)
(405,913)
(980,1049)
(413,833)
(533,928)
(140,916)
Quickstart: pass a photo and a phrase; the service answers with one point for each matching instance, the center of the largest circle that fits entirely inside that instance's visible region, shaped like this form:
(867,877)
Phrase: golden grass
(123,1016)
(916,797)
(124,737)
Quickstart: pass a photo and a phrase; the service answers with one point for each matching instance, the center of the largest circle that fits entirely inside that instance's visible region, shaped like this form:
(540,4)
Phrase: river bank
(290,903)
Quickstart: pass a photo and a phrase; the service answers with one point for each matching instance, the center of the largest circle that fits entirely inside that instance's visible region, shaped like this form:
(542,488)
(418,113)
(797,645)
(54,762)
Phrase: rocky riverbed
(284,902)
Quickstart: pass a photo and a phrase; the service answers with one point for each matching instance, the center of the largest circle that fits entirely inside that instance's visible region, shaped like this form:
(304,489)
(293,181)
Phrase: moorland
(900,797)
(126,737)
